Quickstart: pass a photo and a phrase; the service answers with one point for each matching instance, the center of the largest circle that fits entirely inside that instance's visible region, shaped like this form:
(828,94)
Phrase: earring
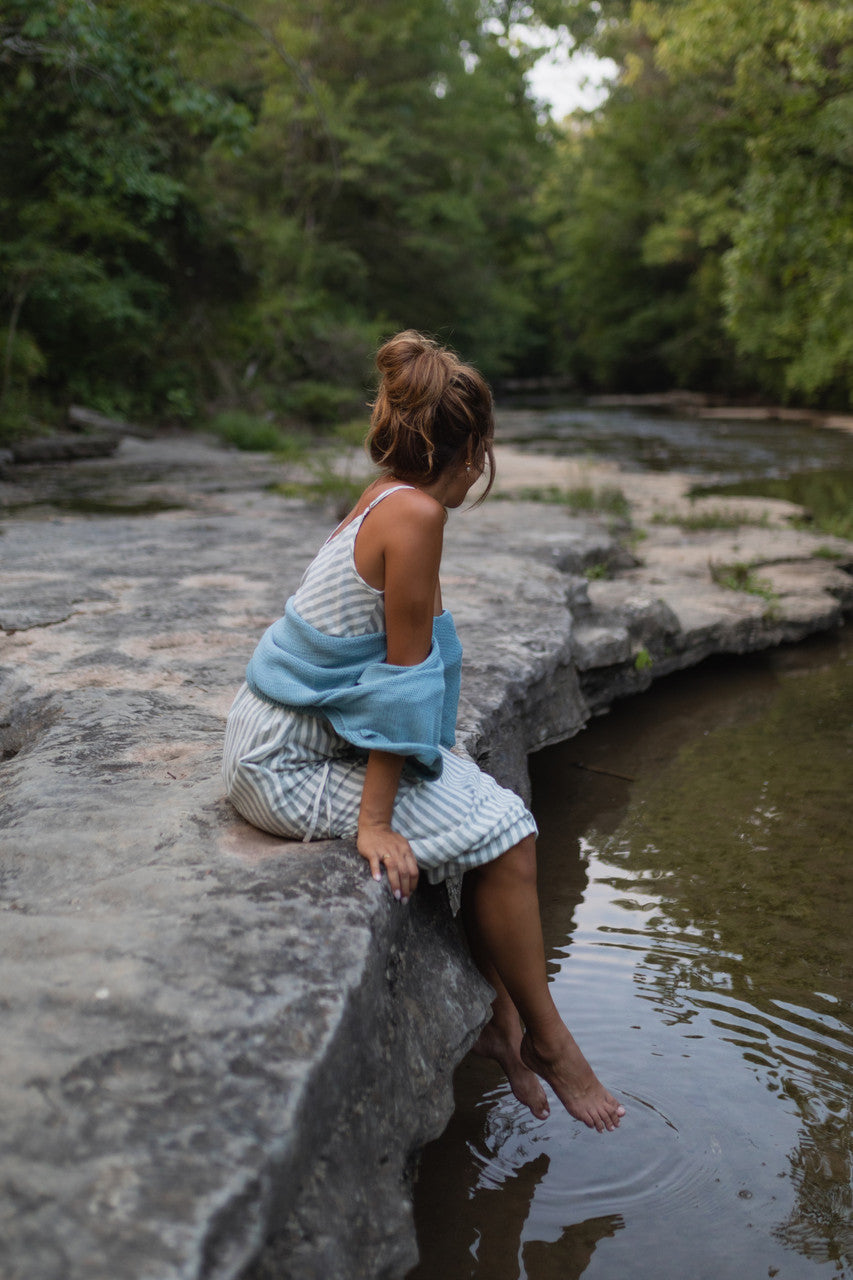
(468,469)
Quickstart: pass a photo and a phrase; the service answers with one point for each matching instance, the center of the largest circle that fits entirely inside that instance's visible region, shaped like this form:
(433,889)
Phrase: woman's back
(332,596)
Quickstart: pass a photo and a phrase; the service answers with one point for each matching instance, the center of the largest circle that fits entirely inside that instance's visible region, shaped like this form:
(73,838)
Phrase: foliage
(703,521)
(825,495)
(241,217)
(99,227)
(785,74)
(392,189)
(643,660)
(321,403)
(247,431)
(353,432)
(703,219)
(631,306)
(325,488)
(828,553)
(331,476)
(209,206)
(608,499)
(740,576)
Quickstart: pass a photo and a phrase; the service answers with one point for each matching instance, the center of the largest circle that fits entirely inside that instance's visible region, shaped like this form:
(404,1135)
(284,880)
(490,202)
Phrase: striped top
(290,772)
(329,664)
(333,596)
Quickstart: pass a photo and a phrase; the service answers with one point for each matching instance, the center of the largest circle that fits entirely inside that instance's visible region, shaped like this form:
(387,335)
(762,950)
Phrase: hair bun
(416,371)
(431,411)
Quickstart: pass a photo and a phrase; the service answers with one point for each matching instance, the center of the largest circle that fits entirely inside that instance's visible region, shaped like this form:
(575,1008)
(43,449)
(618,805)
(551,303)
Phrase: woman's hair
(431,411)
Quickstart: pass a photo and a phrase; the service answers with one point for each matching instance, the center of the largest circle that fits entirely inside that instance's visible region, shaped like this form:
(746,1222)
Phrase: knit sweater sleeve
(371,703)
(444,634)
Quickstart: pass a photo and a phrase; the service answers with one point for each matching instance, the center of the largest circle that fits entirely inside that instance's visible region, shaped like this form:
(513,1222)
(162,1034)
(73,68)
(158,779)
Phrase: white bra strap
(394,489)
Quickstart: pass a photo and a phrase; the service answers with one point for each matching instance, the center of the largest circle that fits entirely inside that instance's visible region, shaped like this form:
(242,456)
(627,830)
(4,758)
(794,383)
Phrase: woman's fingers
(392,851)
(373,858)
(402,872)
(408,879)
(409,873)
(401,881)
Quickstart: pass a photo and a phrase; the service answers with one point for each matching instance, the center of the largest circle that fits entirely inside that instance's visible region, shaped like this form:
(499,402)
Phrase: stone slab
(215,1039)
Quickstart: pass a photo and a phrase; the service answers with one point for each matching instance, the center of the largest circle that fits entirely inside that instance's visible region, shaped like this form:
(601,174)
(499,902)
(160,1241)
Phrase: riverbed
(697,892)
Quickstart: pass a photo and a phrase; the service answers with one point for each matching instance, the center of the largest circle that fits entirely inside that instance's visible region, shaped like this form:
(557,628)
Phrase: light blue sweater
(410,711)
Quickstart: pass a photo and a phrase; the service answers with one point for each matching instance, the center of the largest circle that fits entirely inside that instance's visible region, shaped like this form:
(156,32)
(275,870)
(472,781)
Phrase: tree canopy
(206,203)
(720,171)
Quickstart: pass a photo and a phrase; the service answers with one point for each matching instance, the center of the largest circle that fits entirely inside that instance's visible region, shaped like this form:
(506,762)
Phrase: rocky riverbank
(214,1038)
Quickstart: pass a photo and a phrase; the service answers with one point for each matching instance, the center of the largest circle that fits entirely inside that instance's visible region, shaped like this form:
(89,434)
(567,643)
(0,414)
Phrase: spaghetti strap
(385,493)
(358,519)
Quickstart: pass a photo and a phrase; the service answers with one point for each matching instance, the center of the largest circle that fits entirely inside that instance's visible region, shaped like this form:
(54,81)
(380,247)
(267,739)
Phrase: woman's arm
(409,539)
(377,841)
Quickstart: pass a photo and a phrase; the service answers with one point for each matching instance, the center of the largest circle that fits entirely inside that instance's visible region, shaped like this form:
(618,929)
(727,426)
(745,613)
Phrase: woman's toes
(525,1084)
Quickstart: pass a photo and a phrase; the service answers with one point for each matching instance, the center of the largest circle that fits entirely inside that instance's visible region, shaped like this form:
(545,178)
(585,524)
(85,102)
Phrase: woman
(346,720)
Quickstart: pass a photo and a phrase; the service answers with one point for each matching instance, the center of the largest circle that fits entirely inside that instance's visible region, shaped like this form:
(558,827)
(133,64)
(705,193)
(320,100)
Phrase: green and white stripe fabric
(289,773)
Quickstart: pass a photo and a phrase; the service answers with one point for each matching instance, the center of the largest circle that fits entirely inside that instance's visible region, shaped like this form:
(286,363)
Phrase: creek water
(729,450)
(697,913)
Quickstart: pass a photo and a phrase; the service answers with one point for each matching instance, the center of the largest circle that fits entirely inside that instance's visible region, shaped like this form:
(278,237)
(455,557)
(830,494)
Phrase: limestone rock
(63,446)
(213,1038)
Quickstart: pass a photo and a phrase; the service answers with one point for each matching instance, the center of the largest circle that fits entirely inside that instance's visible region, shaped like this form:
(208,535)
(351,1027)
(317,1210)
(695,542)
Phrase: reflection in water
(486,1197)
(698,928)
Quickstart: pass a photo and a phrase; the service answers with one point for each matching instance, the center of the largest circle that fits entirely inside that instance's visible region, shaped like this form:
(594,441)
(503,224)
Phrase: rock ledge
(213,1038)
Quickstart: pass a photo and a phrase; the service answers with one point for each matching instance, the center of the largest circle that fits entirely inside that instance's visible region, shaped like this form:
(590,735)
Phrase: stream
(697,897)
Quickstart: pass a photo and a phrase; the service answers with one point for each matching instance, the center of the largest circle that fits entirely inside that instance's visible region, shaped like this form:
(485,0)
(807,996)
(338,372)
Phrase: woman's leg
(501,1038)
(503,905)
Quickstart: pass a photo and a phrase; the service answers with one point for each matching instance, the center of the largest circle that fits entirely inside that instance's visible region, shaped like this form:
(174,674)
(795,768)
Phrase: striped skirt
(290,774)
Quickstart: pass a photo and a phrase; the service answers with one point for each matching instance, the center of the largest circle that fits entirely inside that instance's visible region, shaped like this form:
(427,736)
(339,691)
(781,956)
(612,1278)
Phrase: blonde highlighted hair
(431,411)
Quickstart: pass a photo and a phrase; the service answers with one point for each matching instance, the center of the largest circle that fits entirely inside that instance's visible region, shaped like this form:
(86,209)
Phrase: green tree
(735,215)
(633,293)
(784,76)
(391,184)
(99,132)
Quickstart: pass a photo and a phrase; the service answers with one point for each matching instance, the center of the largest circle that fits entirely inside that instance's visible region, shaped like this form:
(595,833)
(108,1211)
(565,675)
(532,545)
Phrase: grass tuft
(339,491)
(352,432)
(256,434)
(742,577)
(699,521)
(643,660)
(828,553)
(608,499)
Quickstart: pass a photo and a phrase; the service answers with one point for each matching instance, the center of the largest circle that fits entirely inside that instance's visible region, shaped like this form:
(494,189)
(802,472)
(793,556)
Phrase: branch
(17,305)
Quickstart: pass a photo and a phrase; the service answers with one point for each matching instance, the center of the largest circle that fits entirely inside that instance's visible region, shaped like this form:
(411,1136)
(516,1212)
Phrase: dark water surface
(640,440)
(698,927)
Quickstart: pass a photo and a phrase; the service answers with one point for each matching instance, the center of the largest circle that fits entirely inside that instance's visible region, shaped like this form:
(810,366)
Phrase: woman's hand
(383,847)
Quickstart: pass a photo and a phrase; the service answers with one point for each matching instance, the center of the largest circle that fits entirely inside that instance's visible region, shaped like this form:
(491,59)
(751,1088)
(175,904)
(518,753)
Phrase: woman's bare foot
(573,1080)
(503,1047)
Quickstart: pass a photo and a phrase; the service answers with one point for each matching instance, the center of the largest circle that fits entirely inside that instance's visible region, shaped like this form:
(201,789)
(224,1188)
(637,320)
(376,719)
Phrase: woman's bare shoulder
(411,502)
(405,531)
(410,514)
